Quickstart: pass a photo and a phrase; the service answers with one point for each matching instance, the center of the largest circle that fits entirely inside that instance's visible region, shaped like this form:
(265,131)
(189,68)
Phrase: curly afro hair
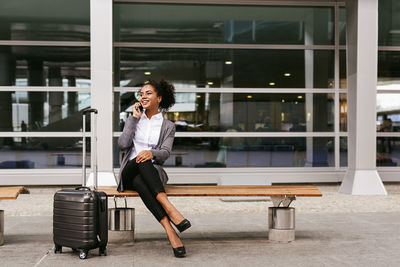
(166,90)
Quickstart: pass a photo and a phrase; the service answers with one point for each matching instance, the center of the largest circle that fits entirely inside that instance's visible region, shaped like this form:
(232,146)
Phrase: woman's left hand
(143,156)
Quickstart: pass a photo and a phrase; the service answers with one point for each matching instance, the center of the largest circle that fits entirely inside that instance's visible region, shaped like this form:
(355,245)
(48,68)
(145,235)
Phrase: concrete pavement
(365,236)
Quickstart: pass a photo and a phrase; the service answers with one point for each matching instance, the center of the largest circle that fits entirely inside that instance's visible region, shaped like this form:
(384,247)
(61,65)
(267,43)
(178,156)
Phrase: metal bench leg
(281,220)
(121,224)
(1,227)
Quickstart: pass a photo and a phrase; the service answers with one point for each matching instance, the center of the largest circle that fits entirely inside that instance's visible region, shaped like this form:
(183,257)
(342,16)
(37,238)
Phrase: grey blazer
(160,153)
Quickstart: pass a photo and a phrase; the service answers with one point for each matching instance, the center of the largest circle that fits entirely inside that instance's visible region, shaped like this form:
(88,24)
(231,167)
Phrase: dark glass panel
(343,112)
(342,26)
(389,70)
(42,111)
(42,152)
(45,20)
(251,112)
(44,66)
(342,69)
(388,151)
(182,23)
(225,68)
(208,152)
(389,23)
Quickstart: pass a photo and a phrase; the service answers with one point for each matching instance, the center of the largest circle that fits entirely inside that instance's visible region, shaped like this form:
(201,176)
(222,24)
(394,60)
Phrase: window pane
(342,26)
(252,112)
(223,152)
(44,66)
(389,22)
(388,112)
(388,151)
(225,68)
(42,152)
(42,111)
(342,69)
(343,152)
(388,70)
(47,20)
(179,23)
(343,112)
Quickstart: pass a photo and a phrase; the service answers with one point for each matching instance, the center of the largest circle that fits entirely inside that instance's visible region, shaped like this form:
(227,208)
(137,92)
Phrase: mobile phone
(140,108)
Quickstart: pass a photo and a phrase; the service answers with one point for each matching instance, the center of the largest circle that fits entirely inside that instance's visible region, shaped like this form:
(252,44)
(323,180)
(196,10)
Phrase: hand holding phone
(137,110)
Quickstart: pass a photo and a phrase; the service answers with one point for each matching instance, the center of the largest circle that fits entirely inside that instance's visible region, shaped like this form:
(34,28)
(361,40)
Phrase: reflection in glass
(200,152)
(251,112)
(44,66)
(47,20)
(388,112)
(343,112)
(389,23)
(342,26)
(388,151)
(225,68)
(42,152)
(179,23)
(42,111)
(343,152)
(342,69)
(388,70)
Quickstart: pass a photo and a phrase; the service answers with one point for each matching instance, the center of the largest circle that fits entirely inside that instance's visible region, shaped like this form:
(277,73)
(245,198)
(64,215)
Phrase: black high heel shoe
(179,252)
(183,225)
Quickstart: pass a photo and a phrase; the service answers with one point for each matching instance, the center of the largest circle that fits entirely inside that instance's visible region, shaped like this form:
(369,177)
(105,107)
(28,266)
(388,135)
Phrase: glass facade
(42,152)
(225,68)
(45,20)
(42,111)
(389,23)
(177,23)
(44,82)
(261,83)
(45,66)
(251,112)
(388,97)
(226,152)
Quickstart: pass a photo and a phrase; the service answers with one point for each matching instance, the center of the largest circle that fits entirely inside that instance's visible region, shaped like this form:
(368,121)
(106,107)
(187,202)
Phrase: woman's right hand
(135,110)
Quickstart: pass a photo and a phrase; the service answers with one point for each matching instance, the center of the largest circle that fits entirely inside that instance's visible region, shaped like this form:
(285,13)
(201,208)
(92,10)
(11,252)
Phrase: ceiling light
(283,100)
(271,83)
(147,73)
(300,97)
(228,62)
(249,96)
(287,74)
(198,96)
(210,83)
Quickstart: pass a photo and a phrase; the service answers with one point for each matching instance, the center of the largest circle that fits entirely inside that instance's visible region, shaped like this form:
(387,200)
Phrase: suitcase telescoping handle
(94,148)
(83,188)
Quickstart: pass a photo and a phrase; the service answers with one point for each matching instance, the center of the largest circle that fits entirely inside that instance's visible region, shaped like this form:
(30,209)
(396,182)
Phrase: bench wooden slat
(12,192)
(225,190)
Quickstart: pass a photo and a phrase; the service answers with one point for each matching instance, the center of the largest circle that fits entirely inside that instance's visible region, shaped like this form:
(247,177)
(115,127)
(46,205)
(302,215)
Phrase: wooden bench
(9,192)
(12,192)
(281,216)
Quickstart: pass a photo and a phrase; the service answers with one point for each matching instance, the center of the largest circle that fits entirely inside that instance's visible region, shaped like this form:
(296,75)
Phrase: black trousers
(144,179)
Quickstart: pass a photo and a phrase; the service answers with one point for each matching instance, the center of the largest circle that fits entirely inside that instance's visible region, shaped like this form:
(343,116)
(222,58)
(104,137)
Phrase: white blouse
(147,133)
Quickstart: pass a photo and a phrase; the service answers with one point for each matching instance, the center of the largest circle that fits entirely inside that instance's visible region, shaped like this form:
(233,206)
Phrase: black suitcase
(80,215)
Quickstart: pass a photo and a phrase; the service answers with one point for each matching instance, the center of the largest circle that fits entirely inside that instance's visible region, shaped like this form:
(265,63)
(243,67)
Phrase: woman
(147,138)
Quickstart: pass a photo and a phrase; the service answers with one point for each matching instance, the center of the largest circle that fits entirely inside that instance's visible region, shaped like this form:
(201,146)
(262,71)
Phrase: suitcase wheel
(102,251)
(83,254)
(57,248)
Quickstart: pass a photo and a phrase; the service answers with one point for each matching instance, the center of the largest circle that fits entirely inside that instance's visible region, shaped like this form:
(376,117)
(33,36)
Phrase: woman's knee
(138,182)
(145,164)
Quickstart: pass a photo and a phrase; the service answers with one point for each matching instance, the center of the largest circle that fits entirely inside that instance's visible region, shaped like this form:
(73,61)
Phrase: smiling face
(149,98)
